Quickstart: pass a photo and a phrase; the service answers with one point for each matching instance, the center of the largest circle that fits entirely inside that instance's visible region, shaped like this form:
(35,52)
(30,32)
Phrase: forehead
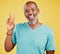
(30,5)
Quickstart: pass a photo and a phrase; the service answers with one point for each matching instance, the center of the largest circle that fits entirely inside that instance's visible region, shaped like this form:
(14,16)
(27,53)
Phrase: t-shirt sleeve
(14,36)
(50,42)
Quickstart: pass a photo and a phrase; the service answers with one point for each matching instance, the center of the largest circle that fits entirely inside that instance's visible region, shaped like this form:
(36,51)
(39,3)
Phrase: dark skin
(50,52)
(29,9)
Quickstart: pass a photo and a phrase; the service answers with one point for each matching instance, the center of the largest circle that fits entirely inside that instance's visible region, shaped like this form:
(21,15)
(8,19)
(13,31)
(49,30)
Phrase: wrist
(9,32)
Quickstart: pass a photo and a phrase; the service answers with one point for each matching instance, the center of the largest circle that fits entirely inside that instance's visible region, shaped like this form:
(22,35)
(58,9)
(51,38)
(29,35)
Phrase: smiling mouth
(31,17)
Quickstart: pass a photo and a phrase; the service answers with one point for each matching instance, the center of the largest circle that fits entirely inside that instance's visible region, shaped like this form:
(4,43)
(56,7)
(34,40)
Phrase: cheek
(26,14)
(35,12)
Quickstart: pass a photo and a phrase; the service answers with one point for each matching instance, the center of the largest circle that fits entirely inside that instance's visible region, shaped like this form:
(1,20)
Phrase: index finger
(11,17)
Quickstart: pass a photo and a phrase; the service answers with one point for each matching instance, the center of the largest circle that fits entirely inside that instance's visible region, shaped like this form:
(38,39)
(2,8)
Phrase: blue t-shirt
(33,41)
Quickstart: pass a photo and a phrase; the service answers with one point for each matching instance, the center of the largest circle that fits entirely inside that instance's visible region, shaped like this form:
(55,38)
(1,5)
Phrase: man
(31,37)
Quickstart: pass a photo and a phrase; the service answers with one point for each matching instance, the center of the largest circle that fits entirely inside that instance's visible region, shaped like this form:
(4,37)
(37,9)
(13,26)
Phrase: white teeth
(31,16)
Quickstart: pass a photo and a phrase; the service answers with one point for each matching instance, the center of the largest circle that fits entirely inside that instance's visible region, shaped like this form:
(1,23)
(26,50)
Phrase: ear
(38,11)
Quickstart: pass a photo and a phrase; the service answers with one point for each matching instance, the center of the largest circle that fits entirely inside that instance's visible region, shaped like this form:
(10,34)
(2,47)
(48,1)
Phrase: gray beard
(33,21)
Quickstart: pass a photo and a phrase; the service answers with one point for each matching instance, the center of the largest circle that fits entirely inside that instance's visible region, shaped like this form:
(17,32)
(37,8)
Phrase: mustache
(34,15)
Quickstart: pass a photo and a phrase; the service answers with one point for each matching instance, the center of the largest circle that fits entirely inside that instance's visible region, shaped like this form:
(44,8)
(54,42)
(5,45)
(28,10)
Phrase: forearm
(8,43)
(50,52)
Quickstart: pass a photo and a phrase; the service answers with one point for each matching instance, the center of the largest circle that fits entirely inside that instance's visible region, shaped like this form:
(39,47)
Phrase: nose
(30,12)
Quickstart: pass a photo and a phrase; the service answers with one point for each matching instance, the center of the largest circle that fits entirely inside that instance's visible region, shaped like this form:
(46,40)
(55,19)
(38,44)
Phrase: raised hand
(10,22)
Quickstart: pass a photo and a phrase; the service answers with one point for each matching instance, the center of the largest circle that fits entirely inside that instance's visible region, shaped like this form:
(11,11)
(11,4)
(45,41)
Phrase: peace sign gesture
(10,22)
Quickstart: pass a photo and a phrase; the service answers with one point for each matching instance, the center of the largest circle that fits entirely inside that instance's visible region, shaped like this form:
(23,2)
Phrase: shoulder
(20,25)
(49,32)
(47,28)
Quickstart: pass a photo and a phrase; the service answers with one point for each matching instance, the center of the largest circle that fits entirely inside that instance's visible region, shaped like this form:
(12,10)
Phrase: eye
(33,9)
(26,11)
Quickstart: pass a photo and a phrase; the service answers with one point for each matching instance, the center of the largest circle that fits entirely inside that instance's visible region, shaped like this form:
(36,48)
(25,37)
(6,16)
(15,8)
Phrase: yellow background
(49,15)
